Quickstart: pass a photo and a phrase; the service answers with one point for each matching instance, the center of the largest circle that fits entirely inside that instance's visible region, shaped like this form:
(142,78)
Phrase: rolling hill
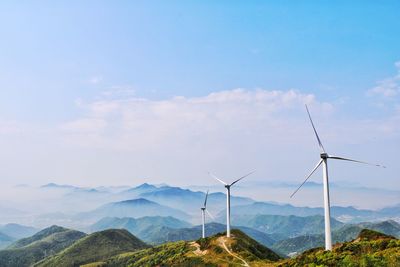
(212,251)
(140,227)
(159,235)
(370,248)
(283,227)
(47,242)
(94,247)
(349,214)
(134,208)
(38,236)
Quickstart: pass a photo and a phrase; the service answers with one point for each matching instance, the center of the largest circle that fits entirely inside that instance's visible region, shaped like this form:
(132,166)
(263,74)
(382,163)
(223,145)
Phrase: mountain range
(78,207)
(58,246)
(132,208)
(345,233)
(344,214)
(282,227)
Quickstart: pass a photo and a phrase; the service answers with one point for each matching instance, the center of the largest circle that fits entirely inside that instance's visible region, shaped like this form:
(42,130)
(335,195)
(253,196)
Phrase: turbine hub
(202,208)
(324,155)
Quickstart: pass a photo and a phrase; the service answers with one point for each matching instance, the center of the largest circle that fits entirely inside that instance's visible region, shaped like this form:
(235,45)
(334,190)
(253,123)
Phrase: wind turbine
(324,161)
(203,216)
(228,200)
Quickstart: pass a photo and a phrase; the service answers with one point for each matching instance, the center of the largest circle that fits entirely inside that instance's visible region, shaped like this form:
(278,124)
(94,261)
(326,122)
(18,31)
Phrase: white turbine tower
(203,216)
(228,200)
(324,161)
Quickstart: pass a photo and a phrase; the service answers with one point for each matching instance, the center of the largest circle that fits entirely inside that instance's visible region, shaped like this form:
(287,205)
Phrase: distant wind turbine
(203,216)
(324,161)
(228,200)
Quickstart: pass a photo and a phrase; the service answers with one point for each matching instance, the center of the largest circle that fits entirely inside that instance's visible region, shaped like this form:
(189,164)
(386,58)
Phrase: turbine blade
(353,160)
(215,177)
(315,168)
(241,178)
(209,214)
(205,201)
(315,131)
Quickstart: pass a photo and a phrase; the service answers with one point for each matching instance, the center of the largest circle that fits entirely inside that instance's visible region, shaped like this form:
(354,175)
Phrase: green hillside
(370,248)
(343,234)
(212,251)
(47,242)
(283,227)
(38,236)
(95,247)
(158,235)
(146,228)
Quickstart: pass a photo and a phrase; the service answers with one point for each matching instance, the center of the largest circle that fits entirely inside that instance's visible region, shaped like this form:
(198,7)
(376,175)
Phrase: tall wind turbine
(324,161)
(203,216)
(228,200)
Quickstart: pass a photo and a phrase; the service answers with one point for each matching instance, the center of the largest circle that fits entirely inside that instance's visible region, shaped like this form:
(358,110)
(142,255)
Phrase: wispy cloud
(389,87)
(119,91)
(131,122)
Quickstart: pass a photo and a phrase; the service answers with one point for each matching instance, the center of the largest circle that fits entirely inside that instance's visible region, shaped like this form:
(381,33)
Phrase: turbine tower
(228,200)
(324,161)
(203,216)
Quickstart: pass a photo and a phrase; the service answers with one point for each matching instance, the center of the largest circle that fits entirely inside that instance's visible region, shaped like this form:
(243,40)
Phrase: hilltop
(49,241)
(97,246)
(140,226)
(159,235)
(343,234)
(370,248)
(216,250)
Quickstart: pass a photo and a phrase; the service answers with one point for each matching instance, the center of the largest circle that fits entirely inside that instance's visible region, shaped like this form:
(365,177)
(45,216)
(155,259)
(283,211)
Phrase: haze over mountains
(79,207)
(160,214)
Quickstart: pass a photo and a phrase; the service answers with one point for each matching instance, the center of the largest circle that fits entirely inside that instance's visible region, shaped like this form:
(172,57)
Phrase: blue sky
(61,61)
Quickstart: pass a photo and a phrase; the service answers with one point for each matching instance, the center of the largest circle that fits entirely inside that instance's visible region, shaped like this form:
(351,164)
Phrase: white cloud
(389,87)
(119,91)
(137,123)
(178,139)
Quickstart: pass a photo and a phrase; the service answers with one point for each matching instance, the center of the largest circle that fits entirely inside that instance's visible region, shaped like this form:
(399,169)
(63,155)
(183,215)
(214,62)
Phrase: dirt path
(198,251)
(222,240)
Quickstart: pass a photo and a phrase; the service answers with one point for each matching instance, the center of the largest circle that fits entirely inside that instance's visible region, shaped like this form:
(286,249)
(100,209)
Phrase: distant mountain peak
(136,201)
(145,185)
(54,185)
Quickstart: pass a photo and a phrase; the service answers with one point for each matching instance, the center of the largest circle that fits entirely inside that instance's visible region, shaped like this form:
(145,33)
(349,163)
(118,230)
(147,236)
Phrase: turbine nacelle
(324,155)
